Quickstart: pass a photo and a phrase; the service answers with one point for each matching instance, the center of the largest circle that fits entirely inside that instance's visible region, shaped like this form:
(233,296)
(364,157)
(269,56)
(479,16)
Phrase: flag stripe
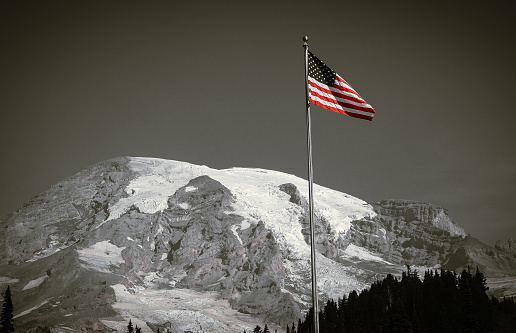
(339,81)
(323,91)
(345,104)
(336,91)
(340,109)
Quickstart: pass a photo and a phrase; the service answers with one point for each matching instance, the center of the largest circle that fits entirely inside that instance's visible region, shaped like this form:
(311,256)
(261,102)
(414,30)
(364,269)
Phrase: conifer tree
(130,328)
(257,329)
(6,319)
(266,329)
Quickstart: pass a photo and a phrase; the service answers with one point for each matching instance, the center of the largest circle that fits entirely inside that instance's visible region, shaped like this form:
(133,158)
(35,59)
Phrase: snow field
(185,309)
(100,256)
(254,190)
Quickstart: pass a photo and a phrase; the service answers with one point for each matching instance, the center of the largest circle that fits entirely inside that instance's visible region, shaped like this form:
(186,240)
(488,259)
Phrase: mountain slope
(178,247)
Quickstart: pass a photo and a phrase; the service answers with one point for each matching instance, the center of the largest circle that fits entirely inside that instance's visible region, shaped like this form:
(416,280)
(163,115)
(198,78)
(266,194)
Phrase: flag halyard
(330,91)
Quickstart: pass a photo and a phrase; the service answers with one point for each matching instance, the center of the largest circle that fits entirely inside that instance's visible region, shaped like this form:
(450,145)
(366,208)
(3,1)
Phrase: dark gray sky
(223,85)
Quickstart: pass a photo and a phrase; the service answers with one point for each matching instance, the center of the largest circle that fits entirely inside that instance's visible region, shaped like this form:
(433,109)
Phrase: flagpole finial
(305,39)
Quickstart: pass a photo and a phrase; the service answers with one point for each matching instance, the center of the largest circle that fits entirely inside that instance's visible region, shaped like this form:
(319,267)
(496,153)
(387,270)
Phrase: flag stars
(319,71)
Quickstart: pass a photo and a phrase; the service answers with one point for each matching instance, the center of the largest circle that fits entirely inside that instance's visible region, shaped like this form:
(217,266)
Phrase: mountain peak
(163,242)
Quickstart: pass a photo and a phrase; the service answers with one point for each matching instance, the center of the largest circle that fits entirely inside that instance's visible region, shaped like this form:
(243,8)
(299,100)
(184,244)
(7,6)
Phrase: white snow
(8,280)
(35,283)
(23,313)
(186,309)
(259,199)
(101,256)
(253,189)
(353,251)
(234,229)
(184,205)
(190,189)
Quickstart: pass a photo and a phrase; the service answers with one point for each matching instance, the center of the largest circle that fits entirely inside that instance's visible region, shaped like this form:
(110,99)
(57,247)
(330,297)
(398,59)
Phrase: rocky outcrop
(421,234)
(508,246)
(325,241)
(407,232)
(470,253)
(57,217)
(417,211)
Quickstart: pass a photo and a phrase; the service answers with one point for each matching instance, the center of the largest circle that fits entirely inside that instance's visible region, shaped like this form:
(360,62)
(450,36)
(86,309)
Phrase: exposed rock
(471,253)
(508,246)
(77,255)
(325,241)
(413,233)
(56,218)
(417,211)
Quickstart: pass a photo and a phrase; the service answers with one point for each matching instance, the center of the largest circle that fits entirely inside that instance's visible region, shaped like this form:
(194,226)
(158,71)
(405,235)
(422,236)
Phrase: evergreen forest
(442,301)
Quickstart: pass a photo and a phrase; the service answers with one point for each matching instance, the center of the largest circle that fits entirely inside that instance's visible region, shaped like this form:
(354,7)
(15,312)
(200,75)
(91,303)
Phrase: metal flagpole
(310,194)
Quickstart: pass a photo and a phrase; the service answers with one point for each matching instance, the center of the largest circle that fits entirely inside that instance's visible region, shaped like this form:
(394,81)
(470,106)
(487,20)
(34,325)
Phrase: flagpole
(310,195)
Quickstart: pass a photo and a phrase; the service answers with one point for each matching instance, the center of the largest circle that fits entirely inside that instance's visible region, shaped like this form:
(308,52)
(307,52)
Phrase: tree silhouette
(440,302)
(6,318)
(130,328)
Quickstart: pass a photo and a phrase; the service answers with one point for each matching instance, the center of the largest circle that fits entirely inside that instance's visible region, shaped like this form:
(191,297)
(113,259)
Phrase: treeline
(440,302)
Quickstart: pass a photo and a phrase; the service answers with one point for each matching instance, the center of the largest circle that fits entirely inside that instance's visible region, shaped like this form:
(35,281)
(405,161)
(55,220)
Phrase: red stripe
(353,99)
(350,89)
(355,115)
(343,104)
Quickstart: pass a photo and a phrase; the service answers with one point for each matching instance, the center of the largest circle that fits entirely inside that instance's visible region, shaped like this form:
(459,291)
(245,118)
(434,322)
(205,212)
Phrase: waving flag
(331,92)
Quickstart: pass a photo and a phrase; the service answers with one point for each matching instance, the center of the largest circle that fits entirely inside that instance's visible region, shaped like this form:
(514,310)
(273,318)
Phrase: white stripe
(335,89)
(340,99)
(337,106)
(342,84)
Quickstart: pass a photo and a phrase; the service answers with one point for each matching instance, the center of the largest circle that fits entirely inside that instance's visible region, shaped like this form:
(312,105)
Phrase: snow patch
(101,256)
(35,283)
(353,251)
(190,189)
(234,229)
(184,205)
(8,280)
(23,313)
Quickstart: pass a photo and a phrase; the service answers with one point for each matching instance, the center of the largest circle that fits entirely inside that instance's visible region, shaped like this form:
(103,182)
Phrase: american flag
(332,92)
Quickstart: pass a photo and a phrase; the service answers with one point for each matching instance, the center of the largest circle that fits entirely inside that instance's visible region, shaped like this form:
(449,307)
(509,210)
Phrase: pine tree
(257,329)
(266,329)
(6,319)
(130,327)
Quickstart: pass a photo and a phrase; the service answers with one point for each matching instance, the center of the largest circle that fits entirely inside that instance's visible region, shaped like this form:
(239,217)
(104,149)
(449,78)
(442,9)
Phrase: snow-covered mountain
(182,247)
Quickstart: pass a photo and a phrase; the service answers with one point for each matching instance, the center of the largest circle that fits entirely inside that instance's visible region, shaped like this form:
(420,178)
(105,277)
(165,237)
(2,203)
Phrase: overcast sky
(222,85)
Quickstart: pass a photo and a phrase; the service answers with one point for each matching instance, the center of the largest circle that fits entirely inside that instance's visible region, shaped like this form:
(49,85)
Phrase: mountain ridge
(140,228)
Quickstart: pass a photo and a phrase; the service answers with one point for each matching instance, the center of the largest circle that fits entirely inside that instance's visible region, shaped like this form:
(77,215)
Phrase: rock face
(410,211)
(181,247)
(414,233)
(508,246)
